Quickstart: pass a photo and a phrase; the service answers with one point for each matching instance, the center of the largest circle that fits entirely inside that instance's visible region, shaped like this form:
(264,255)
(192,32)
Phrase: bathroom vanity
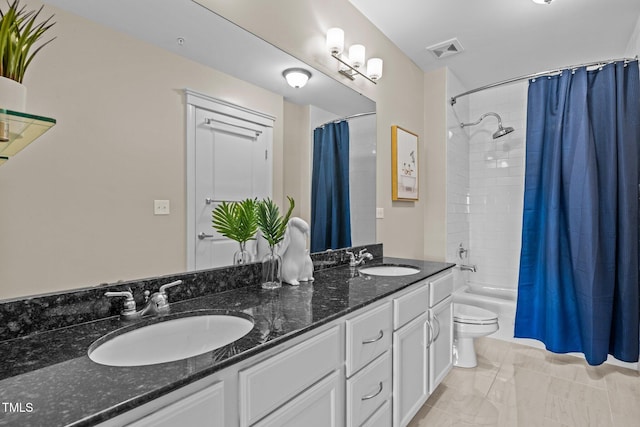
(348,349)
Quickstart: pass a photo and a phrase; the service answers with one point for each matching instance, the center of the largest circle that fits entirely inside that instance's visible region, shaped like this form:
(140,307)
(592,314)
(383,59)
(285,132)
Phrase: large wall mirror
(77,205)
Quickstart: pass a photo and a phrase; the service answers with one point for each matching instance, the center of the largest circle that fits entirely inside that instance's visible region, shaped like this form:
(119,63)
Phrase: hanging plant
(270,223)
(18,34)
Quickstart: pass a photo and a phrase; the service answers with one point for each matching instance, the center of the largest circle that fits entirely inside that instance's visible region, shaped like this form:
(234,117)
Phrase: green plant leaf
(270,223)
(18,35)
(236,220)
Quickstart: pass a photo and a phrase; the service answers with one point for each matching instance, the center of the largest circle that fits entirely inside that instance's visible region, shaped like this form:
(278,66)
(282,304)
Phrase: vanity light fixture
(353,65)
(296,77)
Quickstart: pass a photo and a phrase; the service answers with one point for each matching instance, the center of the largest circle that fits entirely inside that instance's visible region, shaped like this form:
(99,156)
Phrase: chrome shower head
(502,131)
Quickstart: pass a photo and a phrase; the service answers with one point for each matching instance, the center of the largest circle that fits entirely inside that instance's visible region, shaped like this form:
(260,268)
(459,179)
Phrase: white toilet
(470,322)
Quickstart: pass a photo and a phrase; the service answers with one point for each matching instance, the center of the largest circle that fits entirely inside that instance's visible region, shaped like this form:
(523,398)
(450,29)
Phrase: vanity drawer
(368,336)
(381,418)
(411,305)
(441,287)
(272,382)
(368,390)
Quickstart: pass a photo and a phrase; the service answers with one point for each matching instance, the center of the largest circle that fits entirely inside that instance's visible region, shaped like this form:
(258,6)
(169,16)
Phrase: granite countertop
(50,380)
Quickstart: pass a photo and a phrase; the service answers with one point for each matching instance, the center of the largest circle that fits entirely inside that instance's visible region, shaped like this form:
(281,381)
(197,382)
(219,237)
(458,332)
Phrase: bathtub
(501,301)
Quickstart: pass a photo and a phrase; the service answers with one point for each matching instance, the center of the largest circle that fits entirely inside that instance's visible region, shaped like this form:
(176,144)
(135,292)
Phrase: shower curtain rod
(540,74)
(353,116)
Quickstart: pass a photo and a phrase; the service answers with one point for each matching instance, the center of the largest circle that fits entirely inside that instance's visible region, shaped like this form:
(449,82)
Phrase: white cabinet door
(441,349)
(203,408)
(410,369)
(316,407)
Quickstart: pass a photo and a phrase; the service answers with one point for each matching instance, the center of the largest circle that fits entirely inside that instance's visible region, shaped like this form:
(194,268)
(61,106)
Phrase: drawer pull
(371,396)
(376,339)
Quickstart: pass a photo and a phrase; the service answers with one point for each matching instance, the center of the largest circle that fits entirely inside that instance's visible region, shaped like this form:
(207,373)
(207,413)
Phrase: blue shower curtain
(578,283)
(330,211)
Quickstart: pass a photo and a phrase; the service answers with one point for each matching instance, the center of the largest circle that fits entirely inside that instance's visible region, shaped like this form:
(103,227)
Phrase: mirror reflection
(78,204)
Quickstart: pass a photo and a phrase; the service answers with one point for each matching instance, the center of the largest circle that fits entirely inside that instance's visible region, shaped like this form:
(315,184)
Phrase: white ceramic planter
(13,95)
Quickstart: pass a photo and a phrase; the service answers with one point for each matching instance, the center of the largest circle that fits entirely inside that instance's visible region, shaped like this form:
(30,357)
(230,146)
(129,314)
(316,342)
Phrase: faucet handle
(129,302)
(362,252)
(164,287)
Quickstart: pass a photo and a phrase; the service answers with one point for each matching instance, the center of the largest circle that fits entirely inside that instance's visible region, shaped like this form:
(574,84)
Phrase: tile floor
(516,385)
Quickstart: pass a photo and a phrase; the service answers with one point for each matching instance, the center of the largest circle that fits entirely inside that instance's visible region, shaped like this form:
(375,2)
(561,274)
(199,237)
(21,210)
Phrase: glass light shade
(374,68)
(335,40)
(356,55)
(296,77)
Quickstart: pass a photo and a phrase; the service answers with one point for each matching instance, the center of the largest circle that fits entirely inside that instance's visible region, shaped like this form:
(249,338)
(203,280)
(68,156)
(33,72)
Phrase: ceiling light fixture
(296,77)
(353,65)
(542,1)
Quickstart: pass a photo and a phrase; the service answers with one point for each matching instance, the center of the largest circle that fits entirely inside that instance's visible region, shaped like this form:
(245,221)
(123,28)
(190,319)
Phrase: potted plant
(272,226)
(19,32)
(237,221)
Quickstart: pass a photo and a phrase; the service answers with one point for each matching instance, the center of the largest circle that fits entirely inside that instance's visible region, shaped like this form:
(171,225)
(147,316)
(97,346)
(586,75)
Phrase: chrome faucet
(464,267)
(157,303)
(356,260)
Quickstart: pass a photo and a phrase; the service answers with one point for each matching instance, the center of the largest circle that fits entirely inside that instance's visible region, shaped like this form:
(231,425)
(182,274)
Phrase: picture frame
(405,169)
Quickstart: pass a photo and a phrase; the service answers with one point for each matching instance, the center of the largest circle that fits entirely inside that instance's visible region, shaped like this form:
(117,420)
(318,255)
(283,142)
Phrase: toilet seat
(470,315)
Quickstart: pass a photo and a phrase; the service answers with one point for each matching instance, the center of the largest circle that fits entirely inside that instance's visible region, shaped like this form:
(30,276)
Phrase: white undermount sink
(389,270)
(170,340)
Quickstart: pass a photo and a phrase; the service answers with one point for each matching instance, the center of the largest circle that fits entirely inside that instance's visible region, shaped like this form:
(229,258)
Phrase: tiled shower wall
(496,185)
(457,178)
(485,183)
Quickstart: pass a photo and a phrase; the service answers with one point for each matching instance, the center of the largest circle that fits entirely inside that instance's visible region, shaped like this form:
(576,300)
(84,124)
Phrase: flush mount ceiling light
(542,1)
(296,77)
(353,65)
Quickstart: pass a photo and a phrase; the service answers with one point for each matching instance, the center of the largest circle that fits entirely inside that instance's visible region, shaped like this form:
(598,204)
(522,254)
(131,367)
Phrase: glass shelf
(17,130)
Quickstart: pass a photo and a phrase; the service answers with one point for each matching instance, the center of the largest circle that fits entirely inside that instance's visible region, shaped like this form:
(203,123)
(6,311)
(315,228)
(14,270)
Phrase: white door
(229,159)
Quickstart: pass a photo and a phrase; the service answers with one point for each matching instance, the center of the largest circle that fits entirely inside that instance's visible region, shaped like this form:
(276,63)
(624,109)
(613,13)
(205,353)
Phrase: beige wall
(297,158)
(77,205)
(299,28)
(435,120)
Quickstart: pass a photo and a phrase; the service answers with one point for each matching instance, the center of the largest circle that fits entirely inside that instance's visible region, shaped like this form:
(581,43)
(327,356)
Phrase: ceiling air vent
(445,49)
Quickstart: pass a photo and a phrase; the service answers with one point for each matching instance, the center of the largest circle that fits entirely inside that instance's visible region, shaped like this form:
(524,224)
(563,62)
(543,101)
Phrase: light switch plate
(379,213)
(161,207)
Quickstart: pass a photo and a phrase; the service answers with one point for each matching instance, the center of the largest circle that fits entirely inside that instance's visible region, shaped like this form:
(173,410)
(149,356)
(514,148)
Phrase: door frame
(195,100)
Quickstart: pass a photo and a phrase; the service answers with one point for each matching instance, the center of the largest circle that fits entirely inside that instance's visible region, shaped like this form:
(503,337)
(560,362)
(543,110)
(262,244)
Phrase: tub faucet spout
(464,267)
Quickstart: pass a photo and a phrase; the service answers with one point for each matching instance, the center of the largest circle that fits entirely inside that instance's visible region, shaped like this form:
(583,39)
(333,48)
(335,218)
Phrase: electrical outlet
(161,207)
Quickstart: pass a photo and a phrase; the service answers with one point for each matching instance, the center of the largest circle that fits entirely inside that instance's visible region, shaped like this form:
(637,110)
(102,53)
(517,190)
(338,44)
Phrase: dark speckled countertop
(50,380)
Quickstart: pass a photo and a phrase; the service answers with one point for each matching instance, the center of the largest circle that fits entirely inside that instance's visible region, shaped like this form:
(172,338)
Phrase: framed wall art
(404,164)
